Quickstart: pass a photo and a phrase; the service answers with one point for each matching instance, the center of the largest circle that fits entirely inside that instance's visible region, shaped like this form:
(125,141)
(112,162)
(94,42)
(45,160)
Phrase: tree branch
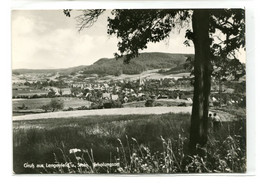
(88,18)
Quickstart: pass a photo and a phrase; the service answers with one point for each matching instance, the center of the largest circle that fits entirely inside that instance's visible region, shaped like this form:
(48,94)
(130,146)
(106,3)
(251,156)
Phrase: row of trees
(50,83)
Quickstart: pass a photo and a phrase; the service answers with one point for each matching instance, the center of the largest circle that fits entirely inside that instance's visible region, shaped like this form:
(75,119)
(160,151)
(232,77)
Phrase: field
(159,102)
(139,143)
(29,92)
(103,112)
(149,74)
(37,103)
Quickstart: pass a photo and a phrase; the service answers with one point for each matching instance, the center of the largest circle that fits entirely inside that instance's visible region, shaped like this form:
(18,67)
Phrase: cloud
(23,25)
(50,47)
(48,39)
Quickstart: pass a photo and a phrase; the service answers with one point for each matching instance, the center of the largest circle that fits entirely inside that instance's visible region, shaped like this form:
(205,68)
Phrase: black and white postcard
(129,91)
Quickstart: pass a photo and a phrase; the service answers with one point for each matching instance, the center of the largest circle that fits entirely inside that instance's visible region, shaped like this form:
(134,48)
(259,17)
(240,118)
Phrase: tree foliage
(53,105)
(135,28)
(51,93)
(231,24)
(56,104)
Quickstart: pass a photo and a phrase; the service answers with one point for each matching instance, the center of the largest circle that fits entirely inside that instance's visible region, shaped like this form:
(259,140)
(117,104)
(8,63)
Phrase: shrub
(157,104)
(70,109)
(149,103)
(56,104)
(46,107)
(83,108)
(116,104)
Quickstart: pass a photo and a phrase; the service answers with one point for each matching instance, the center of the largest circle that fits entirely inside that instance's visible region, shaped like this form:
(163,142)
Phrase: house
(189,99)
(229,90)
(66,91)
(162,97)
(106,95)
(114,97)
(79,95)
(117,88)
(125,99)
(141,81)
(214,99)
(97,87)
(141,94)
(134,95)
(106,85)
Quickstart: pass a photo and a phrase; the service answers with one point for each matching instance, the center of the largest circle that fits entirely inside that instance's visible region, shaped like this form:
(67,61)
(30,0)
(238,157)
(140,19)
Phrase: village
(94,92)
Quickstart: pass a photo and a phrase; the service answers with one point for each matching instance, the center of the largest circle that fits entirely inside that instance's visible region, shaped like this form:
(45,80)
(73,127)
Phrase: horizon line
(92,63)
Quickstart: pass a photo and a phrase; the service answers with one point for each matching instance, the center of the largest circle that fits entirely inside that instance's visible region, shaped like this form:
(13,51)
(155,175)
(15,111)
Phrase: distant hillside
(145,61)
(63,70)
(112,66)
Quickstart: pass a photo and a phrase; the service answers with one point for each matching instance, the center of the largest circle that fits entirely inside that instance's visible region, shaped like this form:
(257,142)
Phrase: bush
(158,104)
(46,107)
(23,107)
(55,104)
(149,103)
(83,108)
(183,104)
(107,105)
(96,105)
(70,109)
(116,104)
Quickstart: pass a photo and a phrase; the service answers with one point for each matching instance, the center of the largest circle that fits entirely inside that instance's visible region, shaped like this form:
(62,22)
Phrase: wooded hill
(145,61)
(112,66)
(62,70)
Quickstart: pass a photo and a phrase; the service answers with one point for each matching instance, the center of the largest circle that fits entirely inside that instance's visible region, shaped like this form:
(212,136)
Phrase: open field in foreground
(138,143)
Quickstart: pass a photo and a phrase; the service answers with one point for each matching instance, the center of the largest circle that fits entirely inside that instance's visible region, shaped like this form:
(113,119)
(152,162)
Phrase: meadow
(159,102)
(37,103)
(29,92)
(138,143)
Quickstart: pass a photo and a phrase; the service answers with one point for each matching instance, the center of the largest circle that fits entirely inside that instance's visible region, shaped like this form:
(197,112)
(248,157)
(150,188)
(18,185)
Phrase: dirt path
(115,111)
(224,116)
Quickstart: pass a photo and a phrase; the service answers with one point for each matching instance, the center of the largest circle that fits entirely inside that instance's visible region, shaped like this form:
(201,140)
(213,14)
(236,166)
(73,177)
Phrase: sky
(47,39)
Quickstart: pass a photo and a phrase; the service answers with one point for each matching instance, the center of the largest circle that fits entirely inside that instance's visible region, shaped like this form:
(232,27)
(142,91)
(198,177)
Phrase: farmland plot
(37,103)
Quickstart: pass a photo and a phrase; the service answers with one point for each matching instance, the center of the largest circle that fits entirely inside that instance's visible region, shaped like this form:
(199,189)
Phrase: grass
(39,102)
(158,102)
(138,143)
(29,92)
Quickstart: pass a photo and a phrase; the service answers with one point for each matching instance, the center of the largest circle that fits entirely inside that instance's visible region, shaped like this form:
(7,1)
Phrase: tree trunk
(219,92)
(202,83)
